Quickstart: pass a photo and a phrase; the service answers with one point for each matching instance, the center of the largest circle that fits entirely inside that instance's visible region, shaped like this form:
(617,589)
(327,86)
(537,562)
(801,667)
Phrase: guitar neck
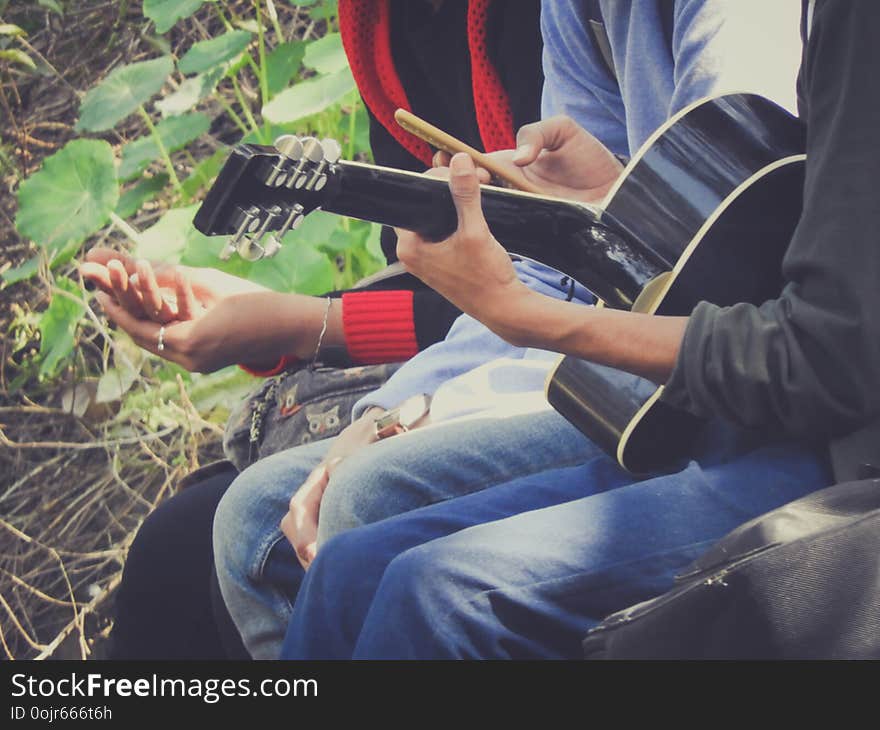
(570,237)
(564,235)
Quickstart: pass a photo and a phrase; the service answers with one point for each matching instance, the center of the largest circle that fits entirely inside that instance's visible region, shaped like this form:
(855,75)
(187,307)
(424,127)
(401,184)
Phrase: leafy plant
(249,74)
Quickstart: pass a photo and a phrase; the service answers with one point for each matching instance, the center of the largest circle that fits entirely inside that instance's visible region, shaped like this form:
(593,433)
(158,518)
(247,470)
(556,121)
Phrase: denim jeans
(258,572)
(523,570)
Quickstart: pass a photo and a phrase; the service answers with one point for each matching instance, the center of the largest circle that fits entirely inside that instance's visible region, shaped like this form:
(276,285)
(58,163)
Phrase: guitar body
(716,193)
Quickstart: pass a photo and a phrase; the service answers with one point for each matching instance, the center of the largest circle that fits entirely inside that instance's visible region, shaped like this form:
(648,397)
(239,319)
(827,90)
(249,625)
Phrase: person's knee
(423,581)
(237,520)
(248,518)
(361,491)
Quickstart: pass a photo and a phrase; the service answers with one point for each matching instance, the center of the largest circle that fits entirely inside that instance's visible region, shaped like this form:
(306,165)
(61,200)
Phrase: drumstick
(446,142)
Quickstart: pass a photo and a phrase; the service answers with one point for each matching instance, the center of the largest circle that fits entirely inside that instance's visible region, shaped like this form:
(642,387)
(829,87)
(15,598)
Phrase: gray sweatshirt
(808,363)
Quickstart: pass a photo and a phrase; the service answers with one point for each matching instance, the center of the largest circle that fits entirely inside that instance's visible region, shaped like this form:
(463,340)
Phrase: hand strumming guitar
(559,157)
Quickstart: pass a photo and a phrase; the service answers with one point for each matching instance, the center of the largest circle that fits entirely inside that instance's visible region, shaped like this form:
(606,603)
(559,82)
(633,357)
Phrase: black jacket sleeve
(808,363)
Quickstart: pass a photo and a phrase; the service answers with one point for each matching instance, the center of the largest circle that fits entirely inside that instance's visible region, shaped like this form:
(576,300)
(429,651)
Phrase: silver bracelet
(323,332)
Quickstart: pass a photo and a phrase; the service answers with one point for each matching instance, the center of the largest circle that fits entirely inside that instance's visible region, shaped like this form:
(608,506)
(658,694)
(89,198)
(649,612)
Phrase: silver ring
(161,345)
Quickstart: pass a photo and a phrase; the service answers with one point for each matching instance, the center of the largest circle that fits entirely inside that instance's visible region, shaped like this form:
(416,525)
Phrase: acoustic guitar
(704,211)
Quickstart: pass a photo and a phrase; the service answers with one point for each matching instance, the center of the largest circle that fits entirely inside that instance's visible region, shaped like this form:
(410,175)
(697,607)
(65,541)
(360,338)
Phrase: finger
(288,528)
(123,292)
(441,159)
(438,173)
(187,306)
(153,302)
(307,554)
(97,274)
(548,134)
(331,465)
(465,188)
(300,549)
(102,255)
(311,489)
(300,526)
(144,332)
(484,176)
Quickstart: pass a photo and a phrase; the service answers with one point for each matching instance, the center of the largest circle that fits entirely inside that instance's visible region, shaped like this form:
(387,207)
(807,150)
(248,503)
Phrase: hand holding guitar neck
(446,142)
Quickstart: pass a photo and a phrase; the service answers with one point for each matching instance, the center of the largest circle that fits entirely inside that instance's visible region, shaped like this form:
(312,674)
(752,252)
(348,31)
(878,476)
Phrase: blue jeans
(257,569)
(523,570)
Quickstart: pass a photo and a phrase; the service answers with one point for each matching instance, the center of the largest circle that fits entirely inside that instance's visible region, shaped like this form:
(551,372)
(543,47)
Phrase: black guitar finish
(705,211)
(562,234)
(717,194)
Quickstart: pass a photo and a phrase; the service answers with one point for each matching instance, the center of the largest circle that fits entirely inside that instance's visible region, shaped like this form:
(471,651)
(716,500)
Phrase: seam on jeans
(263,553)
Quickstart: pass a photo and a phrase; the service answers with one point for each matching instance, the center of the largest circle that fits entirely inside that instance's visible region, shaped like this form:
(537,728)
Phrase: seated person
(785,384)
(481,84)
(348,485)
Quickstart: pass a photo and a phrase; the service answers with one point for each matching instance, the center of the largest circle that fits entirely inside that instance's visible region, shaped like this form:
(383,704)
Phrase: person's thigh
(531,585)
(447,460)
(340,584)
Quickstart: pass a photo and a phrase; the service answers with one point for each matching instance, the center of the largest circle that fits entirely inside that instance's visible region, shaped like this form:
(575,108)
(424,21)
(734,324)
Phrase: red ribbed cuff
(283,364)
(379,326)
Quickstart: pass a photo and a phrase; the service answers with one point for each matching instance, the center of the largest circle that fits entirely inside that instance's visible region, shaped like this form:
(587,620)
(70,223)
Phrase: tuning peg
(313,153)
(244,221)
(291,151)
(272,246)
(290,146)
(250,249)
(330,154)
(332,150)
(294,218)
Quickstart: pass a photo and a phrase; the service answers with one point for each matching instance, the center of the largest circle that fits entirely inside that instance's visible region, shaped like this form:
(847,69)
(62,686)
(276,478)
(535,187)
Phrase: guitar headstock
(263,192)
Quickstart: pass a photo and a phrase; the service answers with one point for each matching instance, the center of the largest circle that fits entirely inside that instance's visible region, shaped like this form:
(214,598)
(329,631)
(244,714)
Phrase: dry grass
(72,495)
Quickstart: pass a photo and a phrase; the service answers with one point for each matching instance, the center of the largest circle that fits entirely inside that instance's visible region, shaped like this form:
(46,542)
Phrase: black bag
(801,582)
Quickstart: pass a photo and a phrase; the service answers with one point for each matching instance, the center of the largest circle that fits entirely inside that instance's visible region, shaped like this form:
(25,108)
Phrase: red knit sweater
(378,325)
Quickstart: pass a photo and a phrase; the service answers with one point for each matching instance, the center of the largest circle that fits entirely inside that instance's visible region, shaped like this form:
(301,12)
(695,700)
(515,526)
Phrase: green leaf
(299,266)
(219,389)
(373,244)
(58,327)
(190,93)
(326,55)
(121,93)
(208,54)
(204,173)
(27,269)
(175,132)
(362,131)
(324,10)
(167,239)
(283,64)
(52,5)
(249,24)
(309,97)
(343,240)
(133,199)
(71,197)
(19,57)
(165,13)
(115,383)
(11,30)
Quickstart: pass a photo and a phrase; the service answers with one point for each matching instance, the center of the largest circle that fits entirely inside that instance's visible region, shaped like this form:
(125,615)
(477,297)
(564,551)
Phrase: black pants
(168,605)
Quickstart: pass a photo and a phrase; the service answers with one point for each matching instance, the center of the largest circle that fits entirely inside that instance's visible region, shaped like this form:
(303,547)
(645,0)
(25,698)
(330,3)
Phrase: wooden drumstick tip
(441,140)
